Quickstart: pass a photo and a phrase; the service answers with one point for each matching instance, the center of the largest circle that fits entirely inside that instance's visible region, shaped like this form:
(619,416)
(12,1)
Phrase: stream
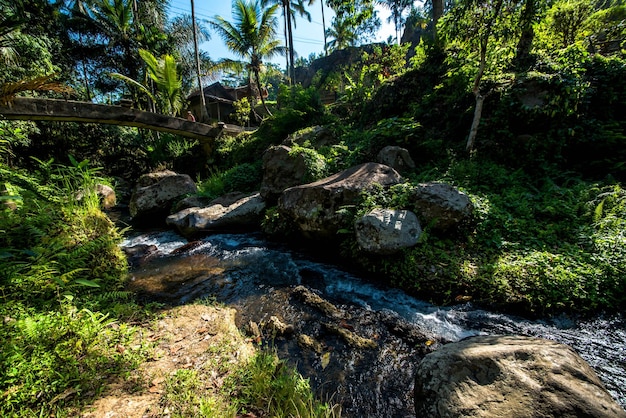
(357,343)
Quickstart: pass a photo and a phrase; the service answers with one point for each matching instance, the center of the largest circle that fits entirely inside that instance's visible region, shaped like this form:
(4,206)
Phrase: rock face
(316,136)
(155,193)
(397,158)
(386,231)
(245,213)
(281,171)
(441,205)
(510,376)
(315,207)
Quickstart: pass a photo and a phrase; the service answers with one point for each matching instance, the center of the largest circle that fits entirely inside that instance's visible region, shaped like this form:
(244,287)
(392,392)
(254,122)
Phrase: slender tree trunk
(287,68)
(324,28)
(480,97)
(437,14)
(396,24)
(291,52)
(203,112)
(258,84)
(80,40)
(478,112)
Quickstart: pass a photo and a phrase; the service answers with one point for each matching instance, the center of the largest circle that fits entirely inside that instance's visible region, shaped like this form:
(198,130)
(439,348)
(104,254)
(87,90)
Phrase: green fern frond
(597,213)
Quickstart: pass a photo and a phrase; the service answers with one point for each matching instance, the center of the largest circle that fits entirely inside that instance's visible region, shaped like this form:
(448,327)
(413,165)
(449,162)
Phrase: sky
(308,36)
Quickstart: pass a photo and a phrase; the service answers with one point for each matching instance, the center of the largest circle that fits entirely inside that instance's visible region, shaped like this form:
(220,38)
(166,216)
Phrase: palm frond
(8,91)
(134,83)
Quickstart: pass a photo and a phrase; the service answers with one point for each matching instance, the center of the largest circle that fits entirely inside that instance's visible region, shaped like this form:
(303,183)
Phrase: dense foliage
(521,104)
(61,282)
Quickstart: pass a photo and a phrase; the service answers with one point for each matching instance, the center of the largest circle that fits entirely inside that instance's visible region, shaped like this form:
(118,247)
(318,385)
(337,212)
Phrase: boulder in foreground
(510,376)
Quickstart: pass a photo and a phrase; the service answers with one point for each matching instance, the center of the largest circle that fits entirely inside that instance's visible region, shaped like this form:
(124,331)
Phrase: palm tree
(397,7)
(115,20)
(323,25)
(202,115)
(290,9)
(164,73)
(10,23)
(342,34)
(252,36)
(180,37)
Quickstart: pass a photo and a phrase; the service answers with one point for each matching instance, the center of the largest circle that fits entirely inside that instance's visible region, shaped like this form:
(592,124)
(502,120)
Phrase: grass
(262,386)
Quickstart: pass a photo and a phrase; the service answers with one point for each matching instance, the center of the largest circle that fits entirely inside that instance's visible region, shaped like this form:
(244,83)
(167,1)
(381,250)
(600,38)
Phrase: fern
(597,213)
(114,296)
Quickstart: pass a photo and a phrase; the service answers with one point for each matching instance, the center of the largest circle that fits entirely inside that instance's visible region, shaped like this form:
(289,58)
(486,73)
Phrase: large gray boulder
(316,207)
(441,205)
(510,376)
(244,214)
(281,170)
(313,137)
(386,231)
(155,193)
(397,158)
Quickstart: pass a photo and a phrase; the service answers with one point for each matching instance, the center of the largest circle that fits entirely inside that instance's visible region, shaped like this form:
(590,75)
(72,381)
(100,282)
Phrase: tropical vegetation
(521,104)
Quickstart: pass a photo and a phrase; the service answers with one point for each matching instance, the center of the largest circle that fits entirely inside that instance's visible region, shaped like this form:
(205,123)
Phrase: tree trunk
(437,14)
(287,68)
(478,111)
(291,52)
(202,117)
(258,84)
(524,46)
(480,98)
(80,41)
(324,29)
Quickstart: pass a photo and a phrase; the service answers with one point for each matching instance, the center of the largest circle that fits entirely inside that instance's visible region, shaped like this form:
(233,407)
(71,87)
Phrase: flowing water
(357,343)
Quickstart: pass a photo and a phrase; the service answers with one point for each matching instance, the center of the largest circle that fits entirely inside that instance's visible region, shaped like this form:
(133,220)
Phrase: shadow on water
(354,341)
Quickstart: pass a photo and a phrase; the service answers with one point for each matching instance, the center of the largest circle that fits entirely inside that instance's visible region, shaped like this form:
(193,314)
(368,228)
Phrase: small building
(219,100)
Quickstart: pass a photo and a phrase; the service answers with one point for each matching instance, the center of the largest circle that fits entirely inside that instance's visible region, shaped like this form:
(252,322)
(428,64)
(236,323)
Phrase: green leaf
(85,282)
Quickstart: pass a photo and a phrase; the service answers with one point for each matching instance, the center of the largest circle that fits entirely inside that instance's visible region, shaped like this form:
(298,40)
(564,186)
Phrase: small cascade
(356,342)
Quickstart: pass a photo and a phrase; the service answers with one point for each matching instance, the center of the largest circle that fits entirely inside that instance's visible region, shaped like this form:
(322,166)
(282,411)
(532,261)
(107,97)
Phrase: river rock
(386,231)
(510,376)
(308,297)
(277,328)
(397,158)
(441,205)
(155,193)
(283,169)
(105,194)
(139,254)
(244,214)
(316,207)
(315,137)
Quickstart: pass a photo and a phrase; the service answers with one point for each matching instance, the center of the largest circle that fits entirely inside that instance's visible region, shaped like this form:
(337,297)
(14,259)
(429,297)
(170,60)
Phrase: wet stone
(277,328)
(313,299)
(350,337)
(310,343)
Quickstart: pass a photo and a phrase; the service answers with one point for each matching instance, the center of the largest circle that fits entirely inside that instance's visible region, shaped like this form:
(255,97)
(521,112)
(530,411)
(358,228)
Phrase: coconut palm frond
(225,65)
(8,91)
(130,81)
